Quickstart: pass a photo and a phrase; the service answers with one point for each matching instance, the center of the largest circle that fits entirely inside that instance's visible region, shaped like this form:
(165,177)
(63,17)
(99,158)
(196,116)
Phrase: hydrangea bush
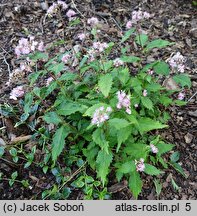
(101,107)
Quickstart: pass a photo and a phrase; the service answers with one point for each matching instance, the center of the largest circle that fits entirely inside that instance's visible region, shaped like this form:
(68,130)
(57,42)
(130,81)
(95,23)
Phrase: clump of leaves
(104,110)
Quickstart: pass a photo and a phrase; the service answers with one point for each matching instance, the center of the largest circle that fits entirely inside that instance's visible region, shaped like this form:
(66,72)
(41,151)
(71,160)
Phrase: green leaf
(127,35)
(166,101)
(2,151)
(56,68)
(103,162)
(68,77)
(90,111)
(158,43)
(183,80)
(39,55)
(158,186)
(136,150)
(52,117)
(14,175)
(162,68)
(135,183)
(66,108)
(127,167)
(118,123)
(175,156)
(130,59)
(58,142)
(99,138)
(151,170)
(34,76)
(163,147)
(141,39)
(124,75)
(105,84)
(147,103)
(175,186)
(147,124)
(178,168)
(123,135)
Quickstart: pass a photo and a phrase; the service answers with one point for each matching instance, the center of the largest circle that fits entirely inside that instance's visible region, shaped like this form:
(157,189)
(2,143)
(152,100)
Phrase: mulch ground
(174,20)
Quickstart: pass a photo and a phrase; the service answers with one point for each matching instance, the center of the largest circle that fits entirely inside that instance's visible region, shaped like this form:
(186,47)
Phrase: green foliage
(64,111)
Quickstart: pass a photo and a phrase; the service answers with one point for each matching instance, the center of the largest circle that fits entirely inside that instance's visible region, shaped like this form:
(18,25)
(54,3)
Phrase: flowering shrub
(99,108)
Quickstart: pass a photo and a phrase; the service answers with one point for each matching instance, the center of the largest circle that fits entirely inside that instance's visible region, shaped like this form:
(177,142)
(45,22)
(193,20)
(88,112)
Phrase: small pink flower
(66,58)
(150,72)
(93,21)
(101,115)
(70,13)
(136,105)
(154,149)
(49,80)
(52,9)
(17,92)
(129,24)
(181,96)
(123,101)
(41,46)
(63,4)
(145,93)
(81,36)
(118,62)
(140,166)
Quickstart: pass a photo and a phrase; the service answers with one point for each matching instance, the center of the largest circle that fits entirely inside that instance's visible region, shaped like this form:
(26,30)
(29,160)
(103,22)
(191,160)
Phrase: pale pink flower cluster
(100,46)
(70,14)
(49,80)
(123,101)
(154,149)
(140,166)
(150,72)
(66,58)
(26,46)
(54,7)
(145,93)
(177,62)
(93,21)
(118,62)
(101,115)
(81,36)
(136,17)
(17,92)
(181,96)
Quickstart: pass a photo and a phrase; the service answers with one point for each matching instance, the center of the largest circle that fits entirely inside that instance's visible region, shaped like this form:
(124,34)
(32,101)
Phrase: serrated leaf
(118,123)
(105,84)
(178,168)
(127,167)
(130,59)
(158,186)
(58,142)
(91,152)
(162,68)
(122,136)
(166,101)
(68,108)
(124,75)
(136,150)
(103,162)
(141,39)
(164,148)
(151,170)
(90,111)
(68,77)
(56,68)
(99,138)
(175,156)
(39,55)
(158,43)
(147,124)
(183,80)
(135,183)
(127,35)
(147,103)
(52,117)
